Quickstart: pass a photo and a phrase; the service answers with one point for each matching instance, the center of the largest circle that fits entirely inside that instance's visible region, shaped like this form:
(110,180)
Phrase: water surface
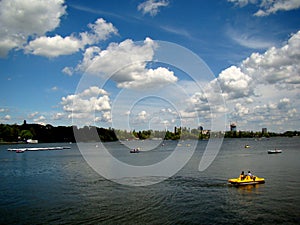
(59,187)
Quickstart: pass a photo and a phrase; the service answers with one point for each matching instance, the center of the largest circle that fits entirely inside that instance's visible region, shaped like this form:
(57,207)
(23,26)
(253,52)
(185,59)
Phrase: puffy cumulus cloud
(168,111)
(205,106)
(276,65)
(283,103)
(100,30)
(88,104)
(57,45)
(234,83)
(105,117)
(267,7)
(240,111)
(262,113)
(263,91)
(20,20)
(271,6)
(152,6)
(7,117)
(53,46)
(40,120)
(126,64)
(58,116)
(197,102)
(68,70)
(117,56)
(142,115)
(3,110)
(149,78)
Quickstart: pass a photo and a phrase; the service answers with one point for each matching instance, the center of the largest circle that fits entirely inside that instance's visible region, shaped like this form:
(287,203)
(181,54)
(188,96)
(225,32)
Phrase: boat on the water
(135,150)
(274,151)
(20,151)
(246,180)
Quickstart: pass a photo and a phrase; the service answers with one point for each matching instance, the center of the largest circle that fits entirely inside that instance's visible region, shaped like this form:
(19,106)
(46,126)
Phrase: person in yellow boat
(242,176)
(250,175)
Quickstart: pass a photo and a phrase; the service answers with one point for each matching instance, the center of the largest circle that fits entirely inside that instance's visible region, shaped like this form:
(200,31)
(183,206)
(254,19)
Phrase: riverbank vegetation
(47,134)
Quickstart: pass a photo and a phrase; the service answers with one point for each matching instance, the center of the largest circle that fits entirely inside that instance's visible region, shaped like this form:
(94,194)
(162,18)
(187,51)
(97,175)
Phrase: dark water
(58,187)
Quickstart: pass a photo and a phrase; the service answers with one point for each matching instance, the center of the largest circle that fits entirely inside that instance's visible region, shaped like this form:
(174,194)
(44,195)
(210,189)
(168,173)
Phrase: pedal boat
(246,180)
(135,150)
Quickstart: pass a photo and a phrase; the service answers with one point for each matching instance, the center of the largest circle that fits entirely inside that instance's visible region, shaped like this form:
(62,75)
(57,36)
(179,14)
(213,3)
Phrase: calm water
(58,187)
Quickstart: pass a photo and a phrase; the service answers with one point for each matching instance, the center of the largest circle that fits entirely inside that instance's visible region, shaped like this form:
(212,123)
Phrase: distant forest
(48,134)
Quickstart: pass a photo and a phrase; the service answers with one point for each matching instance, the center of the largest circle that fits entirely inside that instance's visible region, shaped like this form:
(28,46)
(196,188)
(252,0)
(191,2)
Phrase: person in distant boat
(250,174)
(242,176)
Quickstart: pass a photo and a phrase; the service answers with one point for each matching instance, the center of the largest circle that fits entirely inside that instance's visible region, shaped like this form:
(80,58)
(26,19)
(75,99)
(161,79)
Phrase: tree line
(49,134)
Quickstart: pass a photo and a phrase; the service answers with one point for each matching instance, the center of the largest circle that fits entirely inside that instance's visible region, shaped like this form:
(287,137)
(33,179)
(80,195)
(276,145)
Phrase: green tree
(26,134)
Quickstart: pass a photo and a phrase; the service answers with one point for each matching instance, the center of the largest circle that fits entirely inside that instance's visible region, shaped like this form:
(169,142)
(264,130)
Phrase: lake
(59,187)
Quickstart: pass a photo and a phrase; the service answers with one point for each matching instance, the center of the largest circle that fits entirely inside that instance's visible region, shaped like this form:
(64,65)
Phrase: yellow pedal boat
(246,180)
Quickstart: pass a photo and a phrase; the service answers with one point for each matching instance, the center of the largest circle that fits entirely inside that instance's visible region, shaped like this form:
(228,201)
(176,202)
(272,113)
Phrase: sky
(151,64)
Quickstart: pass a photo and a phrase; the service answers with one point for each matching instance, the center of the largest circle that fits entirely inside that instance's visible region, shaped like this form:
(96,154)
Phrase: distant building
(31,141)
(177,130)
(233,127)
(264,131)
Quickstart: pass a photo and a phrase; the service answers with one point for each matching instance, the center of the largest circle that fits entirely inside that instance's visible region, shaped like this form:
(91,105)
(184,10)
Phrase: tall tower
(233,127)
(264,130)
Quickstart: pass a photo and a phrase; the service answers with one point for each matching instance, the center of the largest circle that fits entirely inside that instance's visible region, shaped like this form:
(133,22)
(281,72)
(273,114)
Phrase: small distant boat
(246,180)
(20,151)
(135,150)
(247,146)
(275,151)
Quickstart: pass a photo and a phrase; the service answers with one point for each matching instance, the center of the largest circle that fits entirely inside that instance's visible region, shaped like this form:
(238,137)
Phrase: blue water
(59,187)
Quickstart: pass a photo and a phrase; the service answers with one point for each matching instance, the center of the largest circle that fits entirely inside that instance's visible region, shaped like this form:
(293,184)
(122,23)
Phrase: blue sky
(97,63)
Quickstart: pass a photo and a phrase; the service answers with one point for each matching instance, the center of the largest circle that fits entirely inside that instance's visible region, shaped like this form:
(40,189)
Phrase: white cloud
(241,110)
(177,31)
(105,117)
(276,65)
(271,6)
(20,20)
(152,6)
(100,30)
(40,118)
(58,116)
(57,45)
(55,88)
(267,7)
(283,103)
(7,117)
(242,3)
(87,104)
(68,70)
(126,64)
(32,115)
(234,83)
(142,115)
(53,46)
(249,38)
(263,91)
